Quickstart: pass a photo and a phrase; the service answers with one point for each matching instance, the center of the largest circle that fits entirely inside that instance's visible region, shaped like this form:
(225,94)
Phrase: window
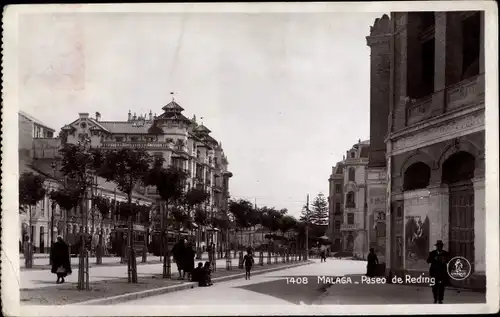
(471,29)
(350,200)
(337,225)
(119,139)
(352,174)
(353,154)
(337,208)
(338,188)
(350,219)
(134,139)
(428,56)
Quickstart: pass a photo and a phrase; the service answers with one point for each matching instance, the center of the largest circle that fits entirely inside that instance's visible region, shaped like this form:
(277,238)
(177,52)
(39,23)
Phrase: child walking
(248,261)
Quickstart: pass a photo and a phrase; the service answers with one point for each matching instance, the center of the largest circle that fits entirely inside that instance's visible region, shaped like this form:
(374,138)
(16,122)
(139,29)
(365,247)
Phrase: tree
(240,210)
(127,169)
(319,213)
(67,198)
(170,184)
(103,205)
(31,191)
(195,197)
(305,214)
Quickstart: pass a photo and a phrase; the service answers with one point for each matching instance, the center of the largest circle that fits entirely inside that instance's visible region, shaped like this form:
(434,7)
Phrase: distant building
(336,206)
(31,128)
(347,201)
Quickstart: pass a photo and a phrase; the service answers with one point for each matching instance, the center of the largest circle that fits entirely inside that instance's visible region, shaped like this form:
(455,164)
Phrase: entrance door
(462,221)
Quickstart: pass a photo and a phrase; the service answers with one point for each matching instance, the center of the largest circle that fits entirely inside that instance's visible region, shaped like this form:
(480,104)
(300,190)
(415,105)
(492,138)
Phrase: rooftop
(35,120)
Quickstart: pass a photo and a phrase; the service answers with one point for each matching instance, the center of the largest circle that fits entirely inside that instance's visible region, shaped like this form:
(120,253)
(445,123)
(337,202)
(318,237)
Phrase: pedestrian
(248,262)
(371,267)
(197,274)
(438,260)
(178,252)
(206,276)
(323,253)
(188,259)
(61,263)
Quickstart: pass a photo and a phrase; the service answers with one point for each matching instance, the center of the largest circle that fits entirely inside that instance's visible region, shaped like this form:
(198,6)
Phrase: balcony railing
(350,205)
(468,92)
(137,145)
(347,227)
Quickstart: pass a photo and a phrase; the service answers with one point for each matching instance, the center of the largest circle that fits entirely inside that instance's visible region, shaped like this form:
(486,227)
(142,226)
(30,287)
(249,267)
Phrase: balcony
(136,145)
(346,227)
(466,93)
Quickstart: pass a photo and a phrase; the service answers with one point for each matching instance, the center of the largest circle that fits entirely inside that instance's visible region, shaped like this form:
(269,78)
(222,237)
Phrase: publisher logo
(459,268)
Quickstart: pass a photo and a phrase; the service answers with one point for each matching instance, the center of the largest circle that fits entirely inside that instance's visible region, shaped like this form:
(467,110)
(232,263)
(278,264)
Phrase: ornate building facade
(436,141)
(38,154)
(181,141)
(347,201)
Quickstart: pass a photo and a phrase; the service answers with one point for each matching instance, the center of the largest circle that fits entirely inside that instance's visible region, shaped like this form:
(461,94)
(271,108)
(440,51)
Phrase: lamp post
(53,205)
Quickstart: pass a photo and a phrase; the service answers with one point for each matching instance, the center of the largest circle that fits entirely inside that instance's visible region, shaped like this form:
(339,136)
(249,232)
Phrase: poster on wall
(417,242)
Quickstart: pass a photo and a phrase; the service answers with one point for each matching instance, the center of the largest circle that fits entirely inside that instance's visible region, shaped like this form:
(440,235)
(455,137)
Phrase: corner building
(436,141)
(181,141)
(347,201)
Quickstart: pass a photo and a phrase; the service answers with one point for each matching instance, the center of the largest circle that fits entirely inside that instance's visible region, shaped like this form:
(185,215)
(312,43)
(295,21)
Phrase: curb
(174,288)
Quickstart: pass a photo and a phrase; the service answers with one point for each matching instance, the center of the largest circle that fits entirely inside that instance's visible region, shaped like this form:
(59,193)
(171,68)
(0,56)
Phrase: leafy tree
(127,169)
(288,223)
(319,214)
(103,205)
(170,184)
(195,197)
(31,191)
(67,198)
(240,210)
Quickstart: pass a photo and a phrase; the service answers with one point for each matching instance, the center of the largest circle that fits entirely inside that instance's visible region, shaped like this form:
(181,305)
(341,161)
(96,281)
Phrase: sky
(286,93)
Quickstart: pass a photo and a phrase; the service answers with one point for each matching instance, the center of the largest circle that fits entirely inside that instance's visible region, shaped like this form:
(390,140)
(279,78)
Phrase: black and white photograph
(250,159)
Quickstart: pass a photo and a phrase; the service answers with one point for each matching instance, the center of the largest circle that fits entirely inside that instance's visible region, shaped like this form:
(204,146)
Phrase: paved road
(265,289)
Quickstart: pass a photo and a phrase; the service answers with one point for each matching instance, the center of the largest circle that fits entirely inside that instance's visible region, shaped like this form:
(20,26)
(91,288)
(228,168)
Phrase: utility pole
(307,228)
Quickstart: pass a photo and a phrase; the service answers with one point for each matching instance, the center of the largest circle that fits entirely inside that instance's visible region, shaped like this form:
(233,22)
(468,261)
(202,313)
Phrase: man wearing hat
(438,260)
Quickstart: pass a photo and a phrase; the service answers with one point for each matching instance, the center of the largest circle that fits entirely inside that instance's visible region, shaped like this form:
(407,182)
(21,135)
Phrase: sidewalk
(42,262)
(42,278)
(118,289)
(393,294)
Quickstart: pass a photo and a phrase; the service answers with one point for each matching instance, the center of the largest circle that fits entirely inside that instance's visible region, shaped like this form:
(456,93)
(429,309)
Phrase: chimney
(134,117)
(97,116)
(129,115)
(83,115)
(150,115)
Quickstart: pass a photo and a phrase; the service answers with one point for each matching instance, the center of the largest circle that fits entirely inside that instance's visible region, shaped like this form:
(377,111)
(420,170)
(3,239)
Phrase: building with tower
(379,42)
(435,146)
(347,201)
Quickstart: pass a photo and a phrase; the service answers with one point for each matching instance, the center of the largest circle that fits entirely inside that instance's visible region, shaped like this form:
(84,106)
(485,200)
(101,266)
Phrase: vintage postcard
(250,159)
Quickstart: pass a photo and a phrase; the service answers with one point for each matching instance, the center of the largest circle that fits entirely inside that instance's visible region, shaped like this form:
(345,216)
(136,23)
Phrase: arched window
(416,176)
(353,154)
(352,174)
(350,218)
(349,201)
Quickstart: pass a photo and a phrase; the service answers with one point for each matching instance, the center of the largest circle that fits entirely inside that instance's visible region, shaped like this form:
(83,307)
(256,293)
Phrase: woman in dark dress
(61,263)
